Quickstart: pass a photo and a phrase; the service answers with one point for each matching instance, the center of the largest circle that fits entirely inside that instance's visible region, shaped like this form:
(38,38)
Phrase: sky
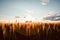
(29,8)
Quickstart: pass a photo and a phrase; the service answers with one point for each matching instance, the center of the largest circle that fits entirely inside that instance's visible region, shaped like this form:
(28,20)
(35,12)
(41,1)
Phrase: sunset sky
(33,8)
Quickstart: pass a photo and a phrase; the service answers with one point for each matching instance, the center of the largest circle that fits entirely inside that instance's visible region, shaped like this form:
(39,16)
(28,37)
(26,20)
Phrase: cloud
(45,2)
(54,17)
(30,11)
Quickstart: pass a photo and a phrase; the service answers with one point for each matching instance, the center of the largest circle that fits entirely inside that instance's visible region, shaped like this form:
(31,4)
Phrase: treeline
(30,31)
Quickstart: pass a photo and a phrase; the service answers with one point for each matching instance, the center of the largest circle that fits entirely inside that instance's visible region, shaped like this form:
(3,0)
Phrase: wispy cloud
(54,17)
(45,2)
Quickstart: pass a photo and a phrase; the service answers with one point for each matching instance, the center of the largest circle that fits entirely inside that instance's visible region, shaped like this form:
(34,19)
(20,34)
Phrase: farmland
(30,31)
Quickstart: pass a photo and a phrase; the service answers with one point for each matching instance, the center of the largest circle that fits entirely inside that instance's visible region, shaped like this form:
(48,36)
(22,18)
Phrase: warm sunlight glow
(29,18)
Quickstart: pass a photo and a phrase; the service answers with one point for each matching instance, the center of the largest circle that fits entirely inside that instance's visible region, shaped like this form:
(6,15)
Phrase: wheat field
(30,31)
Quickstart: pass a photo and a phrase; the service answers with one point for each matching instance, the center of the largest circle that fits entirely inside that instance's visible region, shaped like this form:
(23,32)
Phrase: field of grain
(30,31)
